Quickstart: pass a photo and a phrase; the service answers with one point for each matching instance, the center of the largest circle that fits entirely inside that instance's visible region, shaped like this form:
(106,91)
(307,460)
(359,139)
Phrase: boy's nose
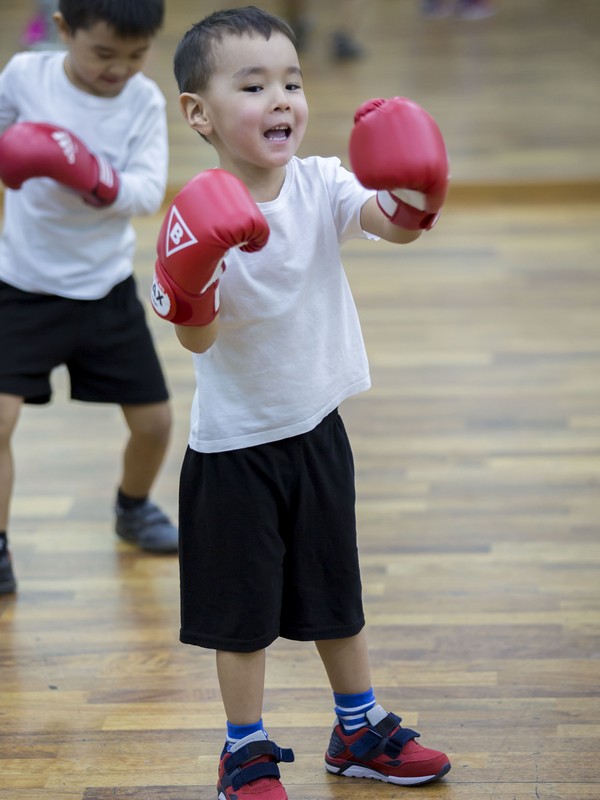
(119,70)
(280,99)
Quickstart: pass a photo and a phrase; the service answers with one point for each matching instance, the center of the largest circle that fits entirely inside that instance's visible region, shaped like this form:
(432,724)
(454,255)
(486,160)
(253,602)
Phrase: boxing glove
(39,150)
(397,148)
(211,214)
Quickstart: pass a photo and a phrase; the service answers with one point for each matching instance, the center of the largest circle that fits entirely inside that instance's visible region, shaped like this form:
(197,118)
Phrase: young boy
(83,148)
(267,526)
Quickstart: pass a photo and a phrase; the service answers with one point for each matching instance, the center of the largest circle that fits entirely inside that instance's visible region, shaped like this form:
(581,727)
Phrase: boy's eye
(293,87)
(253,88)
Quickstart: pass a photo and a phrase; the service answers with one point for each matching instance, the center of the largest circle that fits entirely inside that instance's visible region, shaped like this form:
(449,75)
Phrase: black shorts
(105,344)
(267,543)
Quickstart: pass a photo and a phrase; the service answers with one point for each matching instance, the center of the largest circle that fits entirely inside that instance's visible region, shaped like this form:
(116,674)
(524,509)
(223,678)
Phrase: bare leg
(345,37)
(242,682)
(349,15)
(150,431)
(296,12)
(346,662)
(10,408)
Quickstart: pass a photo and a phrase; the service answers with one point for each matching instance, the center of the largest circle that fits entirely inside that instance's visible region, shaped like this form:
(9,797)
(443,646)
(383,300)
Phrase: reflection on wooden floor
(478,459)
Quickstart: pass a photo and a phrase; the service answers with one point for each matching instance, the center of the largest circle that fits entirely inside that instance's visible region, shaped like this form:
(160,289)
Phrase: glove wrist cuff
(174,304)
(404,215)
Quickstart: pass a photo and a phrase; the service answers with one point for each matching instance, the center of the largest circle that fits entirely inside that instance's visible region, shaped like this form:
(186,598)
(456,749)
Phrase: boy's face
(254,110)
(100,62)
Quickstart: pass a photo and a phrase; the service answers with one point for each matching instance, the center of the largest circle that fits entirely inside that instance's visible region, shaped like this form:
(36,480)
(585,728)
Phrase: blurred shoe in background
(463,9)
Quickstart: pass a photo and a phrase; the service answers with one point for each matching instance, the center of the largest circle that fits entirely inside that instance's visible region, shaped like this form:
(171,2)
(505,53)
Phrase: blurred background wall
(517,94)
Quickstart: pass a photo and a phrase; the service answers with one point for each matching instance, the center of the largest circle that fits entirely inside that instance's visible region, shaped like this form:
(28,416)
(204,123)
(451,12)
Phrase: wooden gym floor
(477,452)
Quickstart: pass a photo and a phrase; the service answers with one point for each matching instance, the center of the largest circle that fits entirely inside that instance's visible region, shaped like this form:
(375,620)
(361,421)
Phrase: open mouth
(278,134)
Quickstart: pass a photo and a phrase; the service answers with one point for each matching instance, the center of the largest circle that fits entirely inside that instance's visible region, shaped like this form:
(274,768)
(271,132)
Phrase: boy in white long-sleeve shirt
(83,149)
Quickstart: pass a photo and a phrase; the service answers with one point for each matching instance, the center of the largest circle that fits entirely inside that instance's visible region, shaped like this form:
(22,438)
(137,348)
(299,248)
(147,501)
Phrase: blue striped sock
(351,709)
(237,732)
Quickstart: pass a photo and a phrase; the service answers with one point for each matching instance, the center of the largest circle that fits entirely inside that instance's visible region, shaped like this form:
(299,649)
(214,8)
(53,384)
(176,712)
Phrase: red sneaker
(384,750)
(249,770)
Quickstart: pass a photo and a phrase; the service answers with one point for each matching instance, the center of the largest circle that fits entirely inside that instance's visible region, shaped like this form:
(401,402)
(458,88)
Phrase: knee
(152,423)
(9,414)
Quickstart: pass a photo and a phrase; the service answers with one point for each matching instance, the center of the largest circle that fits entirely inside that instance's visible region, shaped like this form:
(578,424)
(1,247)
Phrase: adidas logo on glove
(66,144)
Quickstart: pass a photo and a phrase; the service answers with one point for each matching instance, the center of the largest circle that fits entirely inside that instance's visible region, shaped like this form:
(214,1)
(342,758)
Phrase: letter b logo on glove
(178,235)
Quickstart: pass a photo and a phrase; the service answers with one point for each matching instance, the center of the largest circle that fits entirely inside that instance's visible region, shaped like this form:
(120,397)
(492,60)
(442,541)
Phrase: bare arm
(373,220)
(198,338)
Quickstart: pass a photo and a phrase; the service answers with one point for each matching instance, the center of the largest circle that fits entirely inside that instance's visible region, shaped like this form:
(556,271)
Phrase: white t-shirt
(52,241)
(289,347)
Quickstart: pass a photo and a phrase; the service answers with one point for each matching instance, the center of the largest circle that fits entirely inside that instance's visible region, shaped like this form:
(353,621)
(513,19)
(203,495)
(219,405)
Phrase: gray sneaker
(8,584)
(148,527)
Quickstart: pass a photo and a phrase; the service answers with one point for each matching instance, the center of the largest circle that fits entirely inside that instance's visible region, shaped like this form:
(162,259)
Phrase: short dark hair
(194,58)
(129,18)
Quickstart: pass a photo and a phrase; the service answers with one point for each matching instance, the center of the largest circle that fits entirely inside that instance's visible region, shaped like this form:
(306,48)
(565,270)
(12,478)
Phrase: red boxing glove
(397,148)
(38,150)
(211,214)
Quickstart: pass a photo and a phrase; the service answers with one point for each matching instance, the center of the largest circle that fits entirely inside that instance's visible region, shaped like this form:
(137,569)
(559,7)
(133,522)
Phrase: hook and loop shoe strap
(377,740)
(237,775)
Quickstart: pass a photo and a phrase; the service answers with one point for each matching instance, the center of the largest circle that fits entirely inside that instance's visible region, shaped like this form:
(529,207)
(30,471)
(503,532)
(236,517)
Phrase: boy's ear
(63,29)
(195,112)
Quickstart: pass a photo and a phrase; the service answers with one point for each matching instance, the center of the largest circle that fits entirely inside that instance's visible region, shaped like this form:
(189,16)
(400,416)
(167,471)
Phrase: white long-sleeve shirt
(53,242)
